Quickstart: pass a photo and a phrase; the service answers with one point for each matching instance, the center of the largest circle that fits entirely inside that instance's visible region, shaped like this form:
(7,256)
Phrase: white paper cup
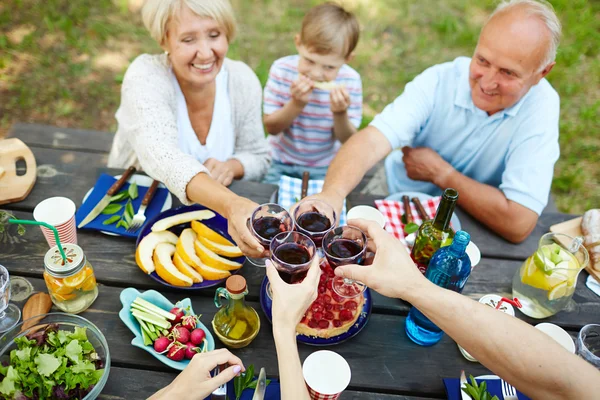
(559,334)
(366,212)
(473,253)
(327,374)
(60,213)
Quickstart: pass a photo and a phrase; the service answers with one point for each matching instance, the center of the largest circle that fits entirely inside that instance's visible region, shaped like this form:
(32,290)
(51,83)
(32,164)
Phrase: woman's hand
(392,273)
(239,211)
(195,381)
(290,302)
(222,172)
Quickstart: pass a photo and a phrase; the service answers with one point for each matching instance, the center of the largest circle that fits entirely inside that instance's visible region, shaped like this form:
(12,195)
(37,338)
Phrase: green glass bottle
(435,233)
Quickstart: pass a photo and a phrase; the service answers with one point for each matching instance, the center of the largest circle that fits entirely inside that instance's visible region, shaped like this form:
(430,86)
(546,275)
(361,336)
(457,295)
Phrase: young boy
(313,100)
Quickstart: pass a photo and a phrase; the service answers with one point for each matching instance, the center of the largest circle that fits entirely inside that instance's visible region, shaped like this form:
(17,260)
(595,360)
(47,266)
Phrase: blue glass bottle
(449,268)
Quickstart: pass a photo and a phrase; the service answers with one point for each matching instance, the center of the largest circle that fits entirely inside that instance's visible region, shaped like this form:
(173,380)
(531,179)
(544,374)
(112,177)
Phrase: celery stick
(149,306)
(151,328)
(151,319)
(142,309)
(146,339)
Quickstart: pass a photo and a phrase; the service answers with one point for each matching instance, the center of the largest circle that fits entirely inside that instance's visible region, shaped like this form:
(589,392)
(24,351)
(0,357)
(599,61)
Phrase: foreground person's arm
(290,302)
(195,381)
(518,353)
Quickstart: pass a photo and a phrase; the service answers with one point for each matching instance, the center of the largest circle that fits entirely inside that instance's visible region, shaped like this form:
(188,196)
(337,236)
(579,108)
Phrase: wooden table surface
(381,357)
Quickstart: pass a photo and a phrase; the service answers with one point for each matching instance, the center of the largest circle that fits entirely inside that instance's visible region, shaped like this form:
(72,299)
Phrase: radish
(179,314)
(176,351)
(189,322)
(161,344)
(197,336)
(191,350)
(180,334)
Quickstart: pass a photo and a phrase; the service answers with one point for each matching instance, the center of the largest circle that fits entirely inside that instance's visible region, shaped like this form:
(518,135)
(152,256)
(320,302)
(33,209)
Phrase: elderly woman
(191,118)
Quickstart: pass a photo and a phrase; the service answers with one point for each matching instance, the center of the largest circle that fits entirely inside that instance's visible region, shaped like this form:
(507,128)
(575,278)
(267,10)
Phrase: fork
(508,391)
(140,217)
(219,393)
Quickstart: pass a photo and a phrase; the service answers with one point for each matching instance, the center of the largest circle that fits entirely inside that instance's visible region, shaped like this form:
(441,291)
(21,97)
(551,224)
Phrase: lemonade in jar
(545,282)
(71,283)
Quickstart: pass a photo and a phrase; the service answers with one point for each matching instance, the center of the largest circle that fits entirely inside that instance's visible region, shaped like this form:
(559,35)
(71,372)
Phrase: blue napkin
(102,185)
(290,190)
(494,386)
(272,392)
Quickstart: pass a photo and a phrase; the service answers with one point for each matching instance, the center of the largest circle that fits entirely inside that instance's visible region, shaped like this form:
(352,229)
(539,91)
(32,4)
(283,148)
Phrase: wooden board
(12,186)
(573,229)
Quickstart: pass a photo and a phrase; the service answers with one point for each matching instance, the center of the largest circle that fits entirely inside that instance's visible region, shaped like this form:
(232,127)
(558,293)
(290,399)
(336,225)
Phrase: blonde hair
(329,28)
(544,12)
(156,14)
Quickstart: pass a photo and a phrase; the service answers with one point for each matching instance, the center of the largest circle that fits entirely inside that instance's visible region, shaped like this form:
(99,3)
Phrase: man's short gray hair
(542,10)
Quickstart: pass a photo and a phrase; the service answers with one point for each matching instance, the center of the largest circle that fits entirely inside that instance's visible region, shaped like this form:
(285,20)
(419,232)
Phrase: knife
(261,385)
(106,199)
(463,383)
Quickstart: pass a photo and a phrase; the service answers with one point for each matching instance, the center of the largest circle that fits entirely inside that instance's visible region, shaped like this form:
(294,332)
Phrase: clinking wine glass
(345,245)
(291,254)
(315,219)
(266,222)
(9,313)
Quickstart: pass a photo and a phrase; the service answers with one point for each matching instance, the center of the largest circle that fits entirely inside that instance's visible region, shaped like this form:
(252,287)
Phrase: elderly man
(486,126)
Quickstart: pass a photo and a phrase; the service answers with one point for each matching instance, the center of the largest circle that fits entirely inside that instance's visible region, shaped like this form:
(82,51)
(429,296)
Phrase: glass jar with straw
(68,274)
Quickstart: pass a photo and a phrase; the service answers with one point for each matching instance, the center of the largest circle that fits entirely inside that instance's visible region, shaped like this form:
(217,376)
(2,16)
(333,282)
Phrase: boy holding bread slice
(313,100)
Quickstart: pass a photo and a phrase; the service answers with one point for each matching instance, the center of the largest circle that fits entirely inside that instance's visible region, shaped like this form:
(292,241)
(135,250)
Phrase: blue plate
(218,223)
(423,197)
(129,295)
(266,302)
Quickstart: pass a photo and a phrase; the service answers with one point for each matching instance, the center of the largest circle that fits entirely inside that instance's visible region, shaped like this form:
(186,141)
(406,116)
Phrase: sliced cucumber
(151,318)
(151,307)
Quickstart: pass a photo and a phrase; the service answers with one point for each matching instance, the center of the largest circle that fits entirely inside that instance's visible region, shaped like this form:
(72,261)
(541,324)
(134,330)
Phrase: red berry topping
(318,316)
(337,307)
(337,297)
(337,323)
(323,324)
(328,307)
(316,307)
(322,289)
(327,298)
(346,315)
(329,315)
(313,324)
(351,305)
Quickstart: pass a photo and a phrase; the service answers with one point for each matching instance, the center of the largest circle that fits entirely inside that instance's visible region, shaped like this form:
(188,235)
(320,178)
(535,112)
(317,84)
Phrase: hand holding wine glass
(392,272)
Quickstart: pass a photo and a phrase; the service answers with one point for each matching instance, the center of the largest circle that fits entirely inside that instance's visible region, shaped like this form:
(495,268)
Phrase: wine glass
(266,222)
(9,313)
(345,245)
(315,218)
(588,344)
(291,254)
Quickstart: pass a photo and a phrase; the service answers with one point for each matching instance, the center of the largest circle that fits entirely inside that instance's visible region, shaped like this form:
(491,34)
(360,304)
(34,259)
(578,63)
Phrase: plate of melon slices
(188,248)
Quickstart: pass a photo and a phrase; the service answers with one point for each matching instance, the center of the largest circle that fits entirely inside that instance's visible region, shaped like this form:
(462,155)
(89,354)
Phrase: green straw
(56,238)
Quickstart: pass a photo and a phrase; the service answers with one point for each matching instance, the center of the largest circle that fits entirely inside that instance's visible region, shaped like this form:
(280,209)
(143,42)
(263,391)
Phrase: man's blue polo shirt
(514,149)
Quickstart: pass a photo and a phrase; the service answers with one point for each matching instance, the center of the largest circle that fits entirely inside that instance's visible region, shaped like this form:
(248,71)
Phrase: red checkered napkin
(393,211)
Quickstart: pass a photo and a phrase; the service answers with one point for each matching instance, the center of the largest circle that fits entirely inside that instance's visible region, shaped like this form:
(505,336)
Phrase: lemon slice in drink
(558,291)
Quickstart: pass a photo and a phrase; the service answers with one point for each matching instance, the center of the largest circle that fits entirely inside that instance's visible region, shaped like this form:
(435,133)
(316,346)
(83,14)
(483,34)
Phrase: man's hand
(340,99)
(392,273)
(424,164)
(222,172)
(290,302)
(301,89)
(239,211)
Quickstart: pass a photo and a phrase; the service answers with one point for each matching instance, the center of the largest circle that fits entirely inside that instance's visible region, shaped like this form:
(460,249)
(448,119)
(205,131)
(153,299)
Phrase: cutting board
(12,186)
(572,228)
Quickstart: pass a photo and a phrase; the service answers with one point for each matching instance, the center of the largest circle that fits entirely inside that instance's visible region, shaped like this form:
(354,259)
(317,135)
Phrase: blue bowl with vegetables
(58,355)
(147,314)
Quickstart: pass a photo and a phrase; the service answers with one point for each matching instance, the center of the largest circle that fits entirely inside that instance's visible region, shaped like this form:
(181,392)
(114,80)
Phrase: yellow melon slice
(144,251)
(186,269)
(206,232)
(214,260)
(166,223)
(165,267)
(185,248)
(212,274)
(221,249)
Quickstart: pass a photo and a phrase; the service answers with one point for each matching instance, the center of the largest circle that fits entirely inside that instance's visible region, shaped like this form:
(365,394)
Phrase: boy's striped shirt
(309,140)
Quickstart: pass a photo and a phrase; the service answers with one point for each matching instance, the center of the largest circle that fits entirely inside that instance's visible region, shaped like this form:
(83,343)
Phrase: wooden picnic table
(385,363)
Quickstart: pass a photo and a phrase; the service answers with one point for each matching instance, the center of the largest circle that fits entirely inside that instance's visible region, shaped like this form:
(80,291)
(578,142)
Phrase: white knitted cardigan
(147,134)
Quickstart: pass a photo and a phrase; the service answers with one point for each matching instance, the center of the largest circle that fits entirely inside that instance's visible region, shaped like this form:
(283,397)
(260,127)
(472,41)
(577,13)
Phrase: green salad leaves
(53,364)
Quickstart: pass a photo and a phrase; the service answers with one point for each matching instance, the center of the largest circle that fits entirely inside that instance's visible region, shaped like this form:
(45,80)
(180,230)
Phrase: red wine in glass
(315,224)
(344,249)
(293,254)
(267,228)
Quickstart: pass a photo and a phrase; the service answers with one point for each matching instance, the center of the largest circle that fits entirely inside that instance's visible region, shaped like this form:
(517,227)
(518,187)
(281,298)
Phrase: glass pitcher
(235,324)
(546,281)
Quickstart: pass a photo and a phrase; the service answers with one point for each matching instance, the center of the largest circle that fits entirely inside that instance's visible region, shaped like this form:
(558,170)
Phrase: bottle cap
(236,284)
(55,264)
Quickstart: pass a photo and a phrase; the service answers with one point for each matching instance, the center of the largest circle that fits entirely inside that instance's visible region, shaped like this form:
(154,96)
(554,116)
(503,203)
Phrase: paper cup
(327,374)
(559,334)
(60,213)
(473,253)
(366,212)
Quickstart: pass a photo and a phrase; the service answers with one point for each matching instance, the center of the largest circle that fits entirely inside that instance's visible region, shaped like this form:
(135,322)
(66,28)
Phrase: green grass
(62,61)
